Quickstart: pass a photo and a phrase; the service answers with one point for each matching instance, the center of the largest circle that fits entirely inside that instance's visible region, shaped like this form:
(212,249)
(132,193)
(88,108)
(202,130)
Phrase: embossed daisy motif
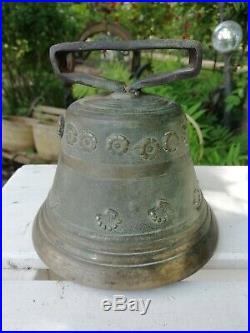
(197,198)
(109,220)
(148,148)
(71,134)
(170,141)
(117,144)
(161,213)
(87,140)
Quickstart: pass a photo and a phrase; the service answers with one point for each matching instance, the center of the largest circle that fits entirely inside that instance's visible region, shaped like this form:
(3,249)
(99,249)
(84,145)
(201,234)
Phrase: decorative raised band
(109,171)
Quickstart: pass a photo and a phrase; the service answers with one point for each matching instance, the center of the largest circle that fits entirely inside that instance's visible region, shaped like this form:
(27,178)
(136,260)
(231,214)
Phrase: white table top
(215,298)
(189,305)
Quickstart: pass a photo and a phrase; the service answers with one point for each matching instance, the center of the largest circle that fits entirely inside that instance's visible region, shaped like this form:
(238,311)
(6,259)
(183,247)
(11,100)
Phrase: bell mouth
(141,271)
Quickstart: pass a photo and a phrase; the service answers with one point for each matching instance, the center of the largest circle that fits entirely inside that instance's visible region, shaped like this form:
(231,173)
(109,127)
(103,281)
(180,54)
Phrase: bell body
(125,210)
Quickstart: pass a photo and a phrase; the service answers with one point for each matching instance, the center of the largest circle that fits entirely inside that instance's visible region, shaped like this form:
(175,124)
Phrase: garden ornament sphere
(125,210)
(227,36)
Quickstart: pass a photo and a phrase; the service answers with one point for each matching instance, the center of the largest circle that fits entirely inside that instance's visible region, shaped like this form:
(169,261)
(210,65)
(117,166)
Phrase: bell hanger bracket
(59,52)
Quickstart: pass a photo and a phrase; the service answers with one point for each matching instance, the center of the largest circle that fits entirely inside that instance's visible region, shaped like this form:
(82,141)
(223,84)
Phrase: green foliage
(111,70)
(188,20)
(219,145)
(195,135)
(236,100)
(29,29)
(116,71)
(186,92)
(80,91)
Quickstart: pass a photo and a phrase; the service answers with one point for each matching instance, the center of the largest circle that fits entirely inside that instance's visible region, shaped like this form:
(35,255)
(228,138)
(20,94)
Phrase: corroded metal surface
(59,51)
(125,210)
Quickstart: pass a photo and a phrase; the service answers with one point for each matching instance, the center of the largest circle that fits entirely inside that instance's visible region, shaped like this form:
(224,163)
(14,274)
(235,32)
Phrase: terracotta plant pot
(17,133)
(46,140)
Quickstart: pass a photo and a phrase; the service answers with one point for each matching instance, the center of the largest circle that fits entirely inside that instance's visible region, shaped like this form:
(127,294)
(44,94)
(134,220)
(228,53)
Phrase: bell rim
(116,277)
(121,250)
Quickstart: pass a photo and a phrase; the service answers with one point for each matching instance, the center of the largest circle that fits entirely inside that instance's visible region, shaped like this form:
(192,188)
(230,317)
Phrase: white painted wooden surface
(199,305)
(215,298)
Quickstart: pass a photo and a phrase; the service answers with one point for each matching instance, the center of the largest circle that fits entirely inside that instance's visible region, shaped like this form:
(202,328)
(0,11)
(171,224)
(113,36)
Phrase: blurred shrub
(221,146)
(29,29)
(188,20)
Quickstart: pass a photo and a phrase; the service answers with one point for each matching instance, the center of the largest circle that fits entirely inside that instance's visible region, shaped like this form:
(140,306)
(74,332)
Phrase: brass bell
(125,210)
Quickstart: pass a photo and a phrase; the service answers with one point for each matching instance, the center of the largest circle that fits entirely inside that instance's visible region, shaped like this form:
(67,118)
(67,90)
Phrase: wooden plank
(49,110)
(47,113)
(22,157)
(65,306)
(225,188)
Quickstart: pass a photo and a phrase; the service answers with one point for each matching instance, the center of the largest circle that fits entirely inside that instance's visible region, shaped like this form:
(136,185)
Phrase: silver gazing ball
(227,36)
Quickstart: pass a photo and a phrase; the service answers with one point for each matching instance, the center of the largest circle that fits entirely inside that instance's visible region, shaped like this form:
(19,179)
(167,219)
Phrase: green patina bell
(125,210)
